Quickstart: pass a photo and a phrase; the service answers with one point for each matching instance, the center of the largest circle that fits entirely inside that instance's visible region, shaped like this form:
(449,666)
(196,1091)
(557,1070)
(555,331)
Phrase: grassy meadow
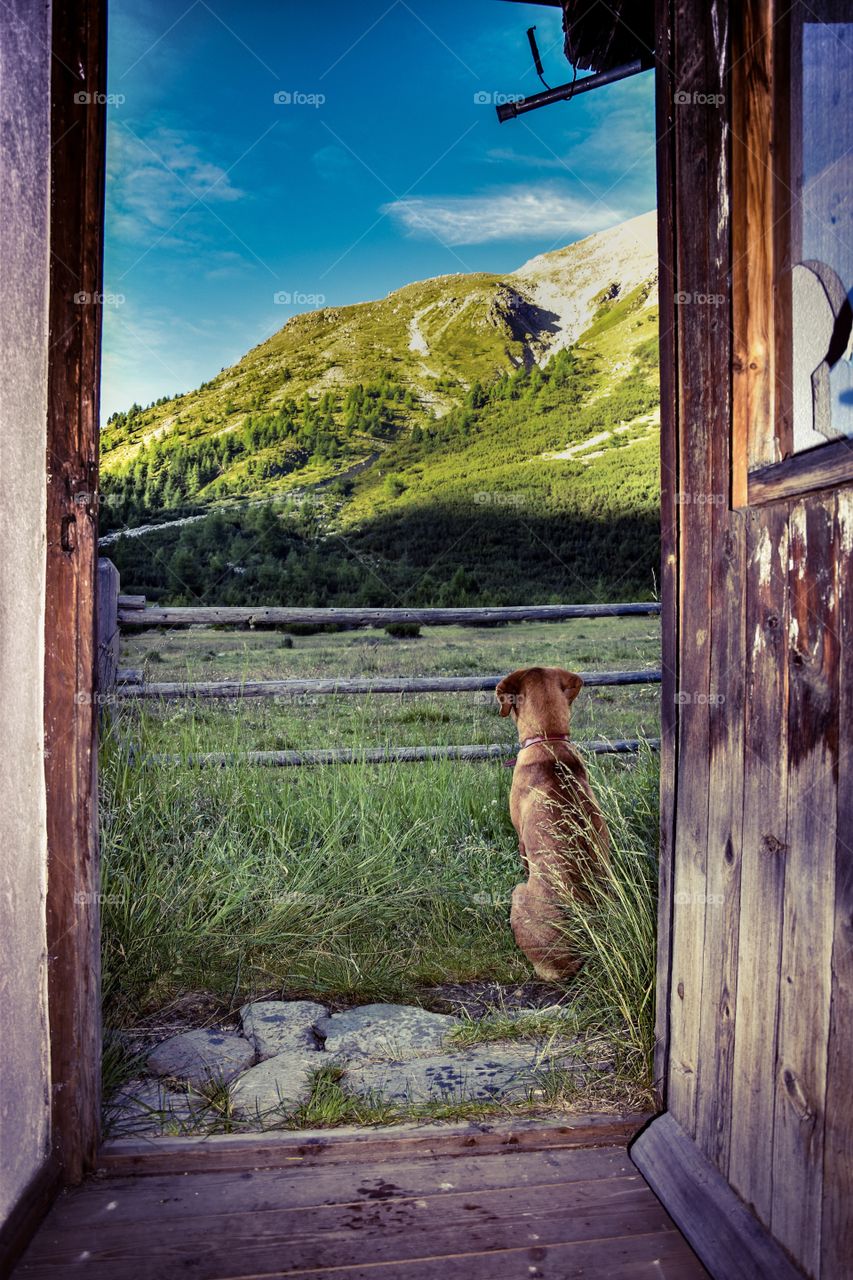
(543,487)
(356,883)
(430,448)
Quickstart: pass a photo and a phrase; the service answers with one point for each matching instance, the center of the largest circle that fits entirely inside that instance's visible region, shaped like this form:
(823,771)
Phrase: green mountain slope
(467,439)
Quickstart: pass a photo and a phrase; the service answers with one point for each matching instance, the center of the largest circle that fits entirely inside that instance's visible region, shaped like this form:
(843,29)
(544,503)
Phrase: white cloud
(524,160)
(155,178)
(515,213)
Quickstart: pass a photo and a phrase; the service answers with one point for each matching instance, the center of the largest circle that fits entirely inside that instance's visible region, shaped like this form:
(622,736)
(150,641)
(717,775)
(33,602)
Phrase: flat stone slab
(275,1085)
(148,1107)
(484,1073)
(385,1031)
(278,1026)
(202,1056)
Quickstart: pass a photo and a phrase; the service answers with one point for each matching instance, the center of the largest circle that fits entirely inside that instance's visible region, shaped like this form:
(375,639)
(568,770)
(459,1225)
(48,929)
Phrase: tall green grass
(370,882)
(615,929)
(360,880)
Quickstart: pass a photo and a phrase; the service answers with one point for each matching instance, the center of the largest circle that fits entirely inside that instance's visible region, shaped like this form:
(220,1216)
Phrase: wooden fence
(132,614)
(128,613)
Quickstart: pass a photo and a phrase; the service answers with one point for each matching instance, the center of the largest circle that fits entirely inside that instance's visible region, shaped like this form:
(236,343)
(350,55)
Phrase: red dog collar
(531,742)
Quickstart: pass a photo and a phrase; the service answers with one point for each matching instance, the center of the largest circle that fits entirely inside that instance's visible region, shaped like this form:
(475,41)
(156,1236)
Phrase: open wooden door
(754,1154)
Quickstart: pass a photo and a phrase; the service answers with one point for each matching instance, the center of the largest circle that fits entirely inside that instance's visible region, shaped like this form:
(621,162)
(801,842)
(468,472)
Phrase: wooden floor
(463,1204)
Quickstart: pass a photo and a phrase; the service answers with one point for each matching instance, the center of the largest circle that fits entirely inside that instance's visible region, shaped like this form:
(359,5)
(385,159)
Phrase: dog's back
(553,807)
(563,838)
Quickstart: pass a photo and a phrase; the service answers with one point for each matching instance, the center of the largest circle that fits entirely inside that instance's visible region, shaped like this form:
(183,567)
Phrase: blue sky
(265,158)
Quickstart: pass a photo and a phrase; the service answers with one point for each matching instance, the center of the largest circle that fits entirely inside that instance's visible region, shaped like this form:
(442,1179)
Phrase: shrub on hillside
(403,630)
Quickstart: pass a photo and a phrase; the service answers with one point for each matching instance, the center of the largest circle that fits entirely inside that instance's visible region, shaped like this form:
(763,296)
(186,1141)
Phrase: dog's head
(538,698)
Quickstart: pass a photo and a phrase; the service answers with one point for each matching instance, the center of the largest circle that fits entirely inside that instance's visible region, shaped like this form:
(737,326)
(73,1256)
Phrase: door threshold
(292,1147)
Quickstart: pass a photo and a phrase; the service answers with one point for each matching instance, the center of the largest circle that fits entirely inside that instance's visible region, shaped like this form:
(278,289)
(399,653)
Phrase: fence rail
(386,755)
(121,612)
(133,614)
(335,686)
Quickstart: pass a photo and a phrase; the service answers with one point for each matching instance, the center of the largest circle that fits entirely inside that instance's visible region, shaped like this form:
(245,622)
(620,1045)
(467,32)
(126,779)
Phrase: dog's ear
(507,691)
(570,684)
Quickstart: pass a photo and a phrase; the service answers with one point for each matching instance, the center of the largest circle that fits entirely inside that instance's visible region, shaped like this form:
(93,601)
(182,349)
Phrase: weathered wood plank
(664,1253)
(826,467)
(725,816)
(357,686)
(837,1221)
(753,365)
(763,853)
(383,755)
(726,1236)
(77,175)
(809,915)
(726,704)
(167,1198)
(670,487)
(700,51)
(376,1230)
(783,200)
(651,1254)
(136,618)
(247,1151)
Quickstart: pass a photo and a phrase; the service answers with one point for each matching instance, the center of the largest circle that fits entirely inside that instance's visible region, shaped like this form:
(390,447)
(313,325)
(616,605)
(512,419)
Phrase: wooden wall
(50,234)
(756,953)
(24,229)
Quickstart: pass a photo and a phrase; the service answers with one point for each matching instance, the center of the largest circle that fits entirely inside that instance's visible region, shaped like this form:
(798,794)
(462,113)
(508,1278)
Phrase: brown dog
(562,834)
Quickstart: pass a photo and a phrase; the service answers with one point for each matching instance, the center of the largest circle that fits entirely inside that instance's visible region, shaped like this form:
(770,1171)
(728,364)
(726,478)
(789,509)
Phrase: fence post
(108,632)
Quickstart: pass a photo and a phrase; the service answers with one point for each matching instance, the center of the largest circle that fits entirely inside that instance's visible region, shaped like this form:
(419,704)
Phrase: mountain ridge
(486,411)
(523,317)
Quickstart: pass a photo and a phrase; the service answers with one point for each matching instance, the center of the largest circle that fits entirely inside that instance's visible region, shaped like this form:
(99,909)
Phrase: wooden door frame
(78,146)
(669,511)
(669,1159)
(693,52)
(76,238)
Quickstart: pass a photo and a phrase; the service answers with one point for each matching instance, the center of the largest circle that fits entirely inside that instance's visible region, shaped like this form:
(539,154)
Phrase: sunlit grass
(370,882)
(367,882)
